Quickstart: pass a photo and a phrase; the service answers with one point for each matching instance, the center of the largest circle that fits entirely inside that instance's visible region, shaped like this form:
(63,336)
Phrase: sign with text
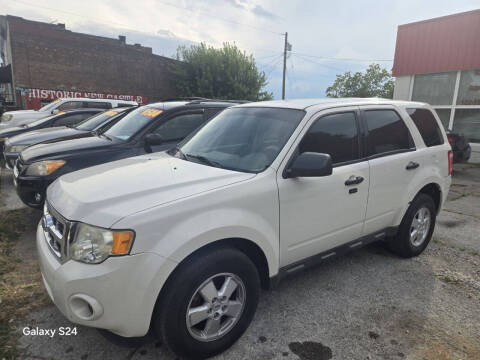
(35,98)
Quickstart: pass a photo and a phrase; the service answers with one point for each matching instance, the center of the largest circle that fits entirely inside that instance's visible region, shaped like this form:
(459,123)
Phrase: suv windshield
(50,106)
(95,121)
(42,120)
(243,139)
(133,122)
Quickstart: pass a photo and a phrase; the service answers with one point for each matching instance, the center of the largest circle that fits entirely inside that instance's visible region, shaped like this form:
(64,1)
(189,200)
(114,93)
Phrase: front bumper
(121,291)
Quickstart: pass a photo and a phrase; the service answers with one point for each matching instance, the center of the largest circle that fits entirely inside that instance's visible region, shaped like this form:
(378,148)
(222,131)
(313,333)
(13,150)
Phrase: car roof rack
(191,98)
(198,101)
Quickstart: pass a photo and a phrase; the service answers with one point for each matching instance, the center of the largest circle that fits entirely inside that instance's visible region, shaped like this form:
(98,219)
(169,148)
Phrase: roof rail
(192,98)
(198,101)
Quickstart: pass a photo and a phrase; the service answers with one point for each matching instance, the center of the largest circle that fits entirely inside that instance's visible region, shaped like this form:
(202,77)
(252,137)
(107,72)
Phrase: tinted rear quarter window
(335,135)
(387,132)
(427,126)
(97,105)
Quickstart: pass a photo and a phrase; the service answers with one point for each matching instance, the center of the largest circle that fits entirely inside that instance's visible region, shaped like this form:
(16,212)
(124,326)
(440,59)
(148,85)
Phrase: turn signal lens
(122,242)
(44,168)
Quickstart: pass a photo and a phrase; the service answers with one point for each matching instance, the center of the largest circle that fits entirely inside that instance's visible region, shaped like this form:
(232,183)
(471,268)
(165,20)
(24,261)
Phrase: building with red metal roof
(438,61)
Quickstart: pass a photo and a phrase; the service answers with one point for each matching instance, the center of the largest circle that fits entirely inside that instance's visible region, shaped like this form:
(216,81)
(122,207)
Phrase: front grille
(57,232)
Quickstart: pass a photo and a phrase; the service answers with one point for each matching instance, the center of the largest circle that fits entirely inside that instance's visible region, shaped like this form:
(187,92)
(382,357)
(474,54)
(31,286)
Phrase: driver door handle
(412,165)
(353,180)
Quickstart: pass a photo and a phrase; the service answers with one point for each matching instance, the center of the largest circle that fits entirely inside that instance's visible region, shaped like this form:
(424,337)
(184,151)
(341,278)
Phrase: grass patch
(449,280)
(21,289)
(473,253)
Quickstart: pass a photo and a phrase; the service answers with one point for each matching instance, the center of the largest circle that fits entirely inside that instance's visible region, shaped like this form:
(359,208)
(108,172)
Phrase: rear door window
(97,105)
(70,105)
(427,126)
(387,132)
(336,135)
(179,126)
(71,119)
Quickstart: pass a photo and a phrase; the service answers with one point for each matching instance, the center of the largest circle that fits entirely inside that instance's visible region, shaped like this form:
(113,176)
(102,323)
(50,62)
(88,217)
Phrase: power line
(316,63)
(266,57)
(341,59)
(319,63)
(274,65)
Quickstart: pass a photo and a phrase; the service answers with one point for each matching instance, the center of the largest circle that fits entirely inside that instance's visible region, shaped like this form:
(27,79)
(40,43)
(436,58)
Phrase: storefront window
(444,115)
(435,89)
(467,122)
(469,88)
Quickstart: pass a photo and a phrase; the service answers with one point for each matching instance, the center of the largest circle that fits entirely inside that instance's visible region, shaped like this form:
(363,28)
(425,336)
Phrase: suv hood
(21,117)
(65,148)
(103,194)
(41,135)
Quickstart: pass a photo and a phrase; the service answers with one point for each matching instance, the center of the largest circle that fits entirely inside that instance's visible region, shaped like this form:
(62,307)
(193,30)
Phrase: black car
(150,128)
(95,124)
(63,118)
(460,147)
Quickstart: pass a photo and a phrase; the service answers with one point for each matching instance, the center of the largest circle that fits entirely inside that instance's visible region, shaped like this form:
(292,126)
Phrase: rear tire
(219,315)
(416,228)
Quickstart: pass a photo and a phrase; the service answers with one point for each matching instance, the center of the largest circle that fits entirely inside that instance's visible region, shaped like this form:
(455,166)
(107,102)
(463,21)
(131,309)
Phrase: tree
(374,82)
(225,73)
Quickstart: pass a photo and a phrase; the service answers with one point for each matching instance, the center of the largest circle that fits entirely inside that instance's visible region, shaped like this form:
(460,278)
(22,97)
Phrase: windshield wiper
(103,134)
(204,159)
(178,151)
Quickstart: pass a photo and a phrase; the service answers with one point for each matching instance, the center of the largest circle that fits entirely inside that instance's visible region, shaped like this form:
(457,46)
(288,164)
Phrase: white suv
(182,241)
(22,117)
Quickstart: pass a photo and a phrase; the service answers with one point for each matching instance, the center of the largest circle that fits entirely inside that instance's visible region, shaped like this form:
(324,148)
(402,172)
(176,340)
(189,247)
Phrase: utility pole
(288,47)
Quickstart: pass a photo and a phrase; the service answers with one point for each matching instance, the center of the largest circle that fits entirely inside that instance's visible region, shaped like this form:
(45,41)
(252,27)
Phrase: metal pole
(284,65)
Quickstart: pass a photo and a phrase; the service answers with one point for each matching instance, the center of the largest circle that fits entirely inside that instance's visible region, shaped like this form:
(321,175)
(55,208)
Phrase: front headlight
(92,244)
(44,168)
(7,117)
(14,148)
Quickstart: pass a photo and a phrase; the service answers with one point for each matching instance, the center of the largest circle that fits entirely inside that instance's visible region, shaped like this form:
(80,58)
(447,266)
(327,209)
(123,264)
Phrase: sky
(327,37)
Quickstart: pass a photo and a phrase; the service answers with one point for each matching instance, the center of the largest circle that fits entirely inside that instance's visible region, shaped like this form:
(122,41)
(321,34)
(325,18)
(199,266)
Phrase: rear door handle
(353,180)
(412,165)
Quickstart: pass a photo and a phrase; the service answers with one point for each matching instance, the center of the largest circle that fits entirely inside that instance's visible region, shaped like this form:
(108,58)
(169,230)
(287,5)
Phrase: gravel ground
(367,305)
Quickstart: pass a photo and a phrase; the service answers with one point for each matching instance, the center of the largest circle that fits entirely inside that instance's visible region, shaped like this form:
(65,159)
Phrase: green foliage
(225,73)
(374,82)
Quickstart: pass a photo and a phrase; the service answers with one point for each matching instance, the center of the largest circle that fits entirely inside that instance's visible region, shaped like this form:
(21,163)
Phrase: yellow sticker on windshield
(111,113)
(56,101)
(60,113)
(151,112)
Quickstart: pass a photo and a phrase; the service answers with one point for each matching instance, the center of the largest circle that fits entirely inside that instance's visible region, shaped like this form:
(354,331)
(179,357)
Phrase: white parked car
(22,117)
(182,241)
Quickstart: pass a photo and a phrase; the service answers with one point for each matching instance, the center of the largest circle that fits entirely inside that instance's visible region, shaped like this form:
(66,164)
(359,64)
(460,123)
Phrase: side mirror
(153,139)
(55,111)
(309,164)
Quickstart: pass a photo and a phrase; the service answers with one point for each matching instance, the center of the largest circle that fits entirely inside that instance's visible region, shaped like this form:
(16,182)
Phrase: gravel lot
(367,305)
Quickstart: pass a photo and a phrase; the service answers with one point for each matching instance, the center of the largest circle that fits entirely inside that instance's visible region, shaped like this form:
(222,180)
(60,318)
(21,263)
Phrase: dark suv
(150,128)
(89,127)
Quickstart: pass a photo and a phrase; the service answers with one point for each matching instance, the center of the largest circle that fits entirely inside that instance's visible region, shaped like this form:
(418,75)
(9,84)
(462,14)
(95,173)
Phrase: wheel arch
(248,247)
(434,191)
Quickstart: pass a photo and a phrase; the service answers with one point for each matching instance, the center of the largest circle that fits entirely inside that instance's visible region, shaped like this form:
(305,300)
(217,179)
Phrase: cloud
(346,29)
(253,8)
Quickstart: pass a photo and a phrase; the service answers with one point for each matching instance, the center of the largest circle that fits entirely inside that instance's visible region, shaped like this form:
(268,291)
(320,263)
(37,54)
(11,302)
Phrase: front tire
(208,303)
(416,228)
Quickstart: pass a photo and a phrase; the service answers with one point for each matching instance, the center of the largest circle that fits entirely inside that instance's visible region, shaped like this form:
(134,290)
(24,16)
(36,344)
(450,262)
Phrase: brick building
(41,62)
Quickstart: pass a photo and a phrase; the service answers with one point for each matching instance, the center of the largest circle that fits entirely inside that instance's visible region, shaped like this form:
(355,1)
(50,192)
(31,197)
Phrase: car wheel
(208,303)
(416,228)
